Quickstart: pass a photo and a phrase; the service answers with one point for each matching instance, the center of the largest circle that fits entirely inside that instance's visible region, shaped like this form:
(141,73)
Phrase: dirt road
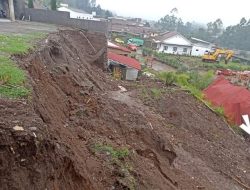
(23,27)
(161,67)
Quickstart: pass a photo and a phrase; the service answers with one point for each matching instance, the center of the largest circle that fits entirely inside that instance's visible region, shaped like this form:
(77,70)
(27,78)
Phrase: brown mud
(77,123)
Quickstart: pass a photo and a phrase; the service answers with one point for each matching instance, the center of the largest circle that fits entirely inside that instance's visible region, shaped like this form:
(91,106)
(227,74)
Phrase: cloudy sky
(201,11)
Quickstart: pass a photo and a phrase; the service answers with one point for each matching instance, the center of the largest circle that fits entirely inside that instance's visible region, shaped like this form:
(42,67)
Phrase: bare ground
(23,27)
(174,141)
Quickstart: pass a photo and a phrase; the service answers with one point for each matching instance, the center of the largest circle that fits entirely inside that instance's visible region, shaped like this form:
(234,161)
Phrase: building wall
(74,14)
(169,48)
(131,74)
(63,18)
(199,50)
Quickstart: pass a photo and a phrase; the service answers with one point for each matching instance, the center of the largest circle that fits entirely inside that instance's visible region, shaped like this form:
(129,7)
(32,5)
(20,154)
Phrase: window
(185,50)
(165,48)
(174,48)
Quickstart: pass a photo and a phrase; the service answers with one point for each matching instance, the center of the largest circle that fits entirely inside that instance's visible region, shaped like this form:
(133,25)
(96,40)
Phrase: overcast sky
(201,11)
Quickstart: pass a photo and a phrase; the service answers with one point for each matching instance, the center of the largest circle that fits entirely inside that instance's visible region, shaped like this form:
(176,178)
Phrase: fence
(63,18)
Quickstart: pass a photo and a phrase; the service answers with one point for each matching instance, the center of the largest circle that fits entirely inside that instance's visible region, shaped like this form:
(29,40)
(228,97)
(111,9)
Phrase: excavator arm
(229,55)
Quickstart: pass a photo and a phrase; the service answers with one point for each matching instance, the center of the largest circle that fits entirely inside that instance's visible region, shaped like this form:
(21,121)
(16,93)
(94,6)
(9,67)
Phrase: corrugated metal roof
(128,61)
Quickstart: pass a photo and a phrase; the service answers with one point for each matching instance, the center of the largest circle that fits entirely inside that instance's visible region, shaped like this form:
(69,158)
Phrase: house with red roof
(123,67)
(118,49)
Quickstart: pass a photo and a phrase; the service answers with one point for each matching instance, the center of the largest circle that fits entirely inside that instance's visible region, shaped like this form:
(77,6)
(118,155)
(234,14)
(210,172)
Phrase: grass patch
(151,93)
(18,44)
(115,153)
(12,78)
(156,93)
(183,63)
(118,156)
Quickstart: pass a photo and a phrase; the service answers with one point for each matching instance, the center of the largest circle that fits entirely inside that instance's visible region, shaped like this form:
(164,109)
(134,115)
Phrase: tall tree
(53,5)
(243,21)
(237,36)
(30,4)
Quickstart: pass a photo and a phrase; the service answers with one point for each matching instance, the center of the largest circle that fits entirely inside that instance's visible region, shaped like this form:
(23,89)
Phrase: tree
(108,14)
(30,4)
(53,5)
(217,26)
(168,23)
(237,36)
(243,21)
(147,24)
(93,3)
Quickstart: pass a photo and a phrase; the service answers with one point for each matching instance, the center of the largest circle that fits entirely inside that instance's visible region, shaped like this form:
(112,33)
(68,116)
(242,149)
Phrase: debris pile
(80,130)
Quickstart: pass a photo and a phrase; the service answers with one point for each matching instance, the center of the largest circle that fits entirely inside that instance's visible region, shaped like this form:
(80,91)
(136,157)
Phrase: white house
(200,47)
(76,13)
(173,43)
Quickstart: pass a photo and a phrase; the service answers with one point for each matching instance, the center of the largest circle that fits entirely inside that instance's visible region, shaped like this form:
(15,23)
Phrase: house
(125,26)
(77,13)
(173,43)
(200,47)
(118,49)
(123,67)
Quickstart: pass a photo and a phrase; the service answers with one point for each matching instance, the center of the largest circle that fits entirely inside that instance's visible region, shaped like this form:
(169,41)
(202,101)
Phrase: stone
(33,128)
(18,128)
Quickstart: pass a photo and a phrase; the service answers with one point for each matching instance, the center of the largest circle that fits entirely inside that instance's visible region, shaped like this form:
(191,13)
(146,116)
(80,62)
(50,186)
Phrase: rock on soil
(90,135)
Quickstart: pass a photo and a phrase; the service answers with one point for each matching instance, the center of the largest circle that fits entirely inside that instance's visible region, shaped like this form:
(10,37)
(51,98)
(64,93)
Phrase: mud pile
(79,131)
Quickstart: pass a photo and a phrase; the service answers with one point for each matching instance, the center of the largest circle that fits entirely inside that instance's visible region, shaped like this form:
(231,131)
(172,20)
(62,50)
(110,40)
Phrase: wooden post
(11,10)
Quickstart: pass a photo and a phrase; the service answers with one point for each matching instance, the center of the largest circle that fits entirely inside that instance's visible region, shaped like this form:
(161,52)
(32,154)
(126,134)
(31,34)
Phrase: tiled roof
(127,61)
(166,35)
(129,28)
(114,46)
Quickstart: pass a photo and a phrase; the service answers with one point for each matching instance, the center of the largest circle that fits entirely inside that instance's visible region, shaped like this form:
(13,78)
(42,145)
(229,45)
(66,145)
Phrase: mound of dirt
(79,131)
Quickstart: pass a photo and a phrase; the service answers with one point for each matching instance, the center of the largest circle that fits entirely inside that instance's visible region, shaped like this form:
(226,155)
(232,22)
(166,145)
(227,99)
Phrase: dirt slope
(77,114)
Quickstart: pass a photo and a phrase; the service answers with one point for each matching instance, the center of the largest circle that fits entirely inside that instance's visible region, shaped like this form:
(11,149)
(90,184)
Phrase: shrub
(168,77)
(115,153)
(201,81)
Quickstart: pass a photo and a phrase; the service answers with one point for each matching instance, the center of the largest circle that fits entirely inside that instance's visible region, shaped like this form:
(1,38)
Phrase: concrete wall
(200,50)
(19,7)
(131,74)
(63,18)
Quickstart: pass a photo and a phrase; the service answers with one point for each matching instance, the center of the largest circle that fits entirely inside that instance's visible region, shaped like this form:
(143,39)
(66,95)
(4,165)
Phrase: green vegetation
(18,44)
(169,78)
(118,156)
(184,63)
(12,78)
(156,93)
(192,82)
(151,93)
(30,4)
(53,5)
(115,153)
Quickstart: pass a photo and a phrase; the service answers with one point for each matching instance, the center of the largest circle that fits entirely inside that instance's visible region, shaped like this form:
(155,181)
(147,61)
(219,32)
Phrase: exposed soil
(174,141)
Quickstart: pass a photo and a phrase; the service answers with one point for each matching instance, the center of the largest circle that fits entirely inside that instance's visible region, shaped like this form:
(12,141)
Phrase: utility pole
(11,8)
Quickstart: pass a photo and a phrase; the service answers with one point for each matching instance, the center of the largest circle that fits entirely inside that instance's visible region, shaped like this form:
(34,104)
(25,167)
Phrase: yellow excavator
(217,54)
